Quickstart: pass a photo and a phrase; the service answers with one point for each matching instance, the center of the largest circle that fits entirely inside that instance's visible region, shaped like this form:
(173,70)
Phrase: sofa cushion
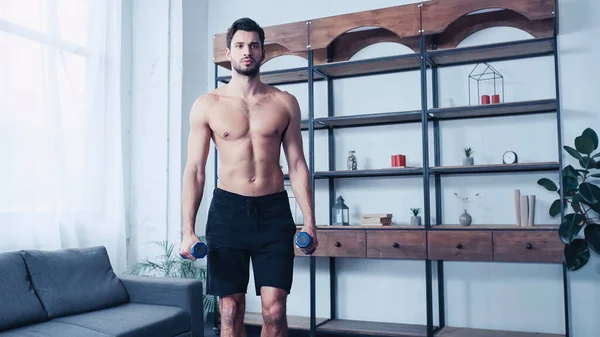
(133,319)
(52,329)
(72,281)
(20,305)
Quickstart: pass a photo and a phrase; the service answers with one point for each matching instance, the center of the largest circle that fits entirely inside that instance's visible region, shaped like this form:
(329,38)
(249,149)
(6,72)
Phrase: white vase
(467,161)
(415,220)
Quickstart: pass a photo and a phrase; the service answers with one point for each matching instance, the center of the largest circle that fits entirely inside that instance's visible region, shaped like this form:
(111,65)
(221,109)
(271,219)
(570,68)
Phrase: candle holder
(479,85)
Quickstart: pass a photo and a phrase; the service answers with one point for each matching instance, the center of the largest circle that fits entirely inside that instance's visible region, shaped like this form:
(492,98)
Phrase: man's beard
(251,71)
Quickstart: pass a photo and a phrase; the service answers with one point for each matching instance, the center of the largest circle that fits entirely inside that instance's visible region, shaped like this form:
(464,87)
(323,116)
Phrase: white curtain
(61,153)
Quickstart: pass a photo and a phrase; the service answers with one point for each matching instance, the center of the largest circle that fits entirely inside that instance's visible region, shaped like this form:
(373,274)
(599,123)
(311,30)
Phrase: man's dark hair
(248,25)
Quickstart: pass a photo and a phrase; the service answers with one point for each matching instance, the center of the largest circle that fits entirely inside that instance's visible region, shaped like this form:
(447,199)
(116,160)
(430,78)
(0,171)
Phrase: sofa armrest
(177,292)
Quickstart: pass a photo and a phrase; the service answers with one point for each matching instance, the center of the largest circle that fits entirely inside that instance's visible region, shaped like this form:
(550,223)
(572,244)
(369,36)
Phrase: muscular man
(249,215)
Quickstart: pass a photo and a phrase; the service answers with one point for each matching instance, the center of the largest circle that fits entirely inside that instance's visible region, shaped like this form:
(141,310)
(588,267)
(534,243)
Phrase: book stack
(376,219)
(524,209)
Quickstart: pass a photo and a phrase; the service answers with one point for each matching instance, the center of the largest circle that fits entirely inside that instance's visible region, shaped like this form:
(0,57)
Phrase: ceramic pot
(415,220)
(468,161)
(465,219)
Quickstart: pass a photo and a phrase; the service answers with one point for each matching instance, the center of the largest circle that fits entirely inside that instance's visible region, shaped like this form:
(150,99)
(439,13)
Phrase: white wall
(487,295)
(167,57)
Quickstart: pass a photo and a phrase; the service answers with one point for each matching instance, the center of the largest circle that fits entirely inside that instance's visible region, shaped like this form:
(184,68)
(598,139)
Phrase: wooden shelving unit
(432,30)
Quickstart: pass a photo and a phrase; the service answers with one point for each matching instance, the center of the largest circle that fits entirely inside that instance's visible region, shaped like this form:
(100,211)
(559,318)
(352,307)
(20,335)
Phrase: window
(43,81)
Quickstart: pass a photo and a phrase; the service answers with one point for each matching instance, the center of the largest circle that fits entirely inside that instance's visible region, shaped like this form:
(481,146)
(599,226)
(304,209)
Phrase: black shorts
(239,228)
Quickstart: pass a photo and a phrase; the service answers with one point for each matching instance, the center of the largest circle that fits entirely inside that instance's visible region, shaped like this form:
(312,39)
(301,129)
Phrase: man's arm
(298,170)
(194,174)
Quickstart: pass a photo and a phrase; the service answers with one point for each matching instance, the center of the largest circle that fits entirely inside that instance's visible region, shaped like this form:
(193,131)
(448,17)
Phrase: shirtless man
(249,215)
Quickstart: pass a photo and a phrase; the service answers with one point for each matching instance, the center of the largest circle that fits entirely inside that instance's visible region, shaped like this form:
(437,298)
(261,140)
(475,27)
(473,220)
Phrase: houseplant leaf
(587,163)
(548,184)
(576,254)
(591,134)
(570,227)
(574,153)
(570,171)
(555,208)
(589,192)
(570,185)
(592,235)
(584,144)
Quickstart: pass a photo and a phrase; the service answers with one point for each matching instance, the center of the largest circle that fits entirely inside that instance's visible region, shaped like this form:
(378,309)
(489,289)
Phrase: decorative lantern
(341,213)
(490,93)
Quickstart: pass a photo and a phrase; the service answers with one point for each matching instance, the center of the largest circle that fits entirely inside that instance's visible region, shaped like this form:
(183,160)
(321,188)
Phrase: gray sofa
(75,293)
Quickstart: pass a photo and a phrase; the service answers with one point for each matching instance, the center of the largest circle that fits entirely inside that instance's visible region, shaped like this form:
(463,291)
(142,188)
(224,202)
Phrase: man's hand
(312,231)
(186,244)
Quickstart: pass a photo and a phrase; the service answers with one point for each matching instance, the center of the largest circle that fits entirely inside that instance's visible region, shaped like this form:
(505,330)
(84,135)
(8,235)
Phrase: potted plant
(170,264)
(580,228)
(415,219)
(468,160)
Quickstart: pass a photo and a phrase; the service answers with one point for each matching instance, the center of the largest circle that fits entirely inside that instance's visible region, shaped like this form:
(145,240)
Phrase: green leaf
(548,184)
(555,208)
(570,227)
(570,185)
(584,144)
(576,203)
(595,207)
(587,163)
(595,175)
(576,254)
(596,155)
(592,235)
(574,153)
(591,134)
(570,171)
(589,192)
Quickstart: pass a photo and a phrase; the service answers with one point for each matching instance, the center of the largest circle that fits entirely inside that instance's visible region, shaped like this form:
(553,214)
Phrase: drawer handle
(528,246)
(395,245)
(337,244)
(459,246)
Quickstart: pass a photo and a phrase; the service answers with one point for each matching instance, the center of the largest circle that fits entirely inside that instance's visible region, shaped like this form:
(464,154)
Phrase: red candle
(402,161)
(394,160)
(496,99)
(485,99)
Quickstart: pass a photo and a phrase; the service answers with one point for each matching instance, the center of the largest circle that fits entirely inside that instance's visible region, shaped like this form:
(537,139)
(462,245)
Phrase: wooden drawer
(397,244)
(460,245)
(521,246)
(339,243)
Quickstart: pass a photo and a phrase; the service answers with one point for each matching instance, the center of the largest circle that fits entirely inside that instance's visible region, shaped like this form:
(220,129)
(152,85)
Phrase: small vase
(415,220)
(465,219)
(467,161)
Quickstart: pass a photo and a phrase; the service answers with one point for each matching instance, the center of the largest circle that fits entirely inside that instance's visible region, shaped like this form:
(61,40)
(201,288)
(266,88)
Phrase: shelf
(294,322)
(507,227)
(370,119)
(304,124)
(366,227)
(468,332)
(493,52)
(375,66)
(373,328)
(500,109)
(279,77)
(495,168)
(385,172)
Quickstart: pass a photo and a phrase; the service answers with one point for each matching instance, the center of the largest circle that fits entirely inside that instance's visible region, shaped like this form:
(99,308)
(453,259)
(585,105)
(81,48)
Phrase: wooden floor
(299,326)
(466,332)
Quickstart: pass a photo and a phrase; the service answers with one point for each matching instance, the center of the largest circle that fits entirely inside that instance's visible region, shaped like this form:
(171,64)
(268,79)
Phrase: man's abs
(242,180)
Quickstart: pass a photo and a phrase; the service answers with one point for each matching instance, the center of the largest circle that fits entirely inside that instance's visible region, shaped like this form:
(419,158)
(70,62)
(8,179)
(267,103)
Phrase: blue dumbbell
(304,240)
(198,250)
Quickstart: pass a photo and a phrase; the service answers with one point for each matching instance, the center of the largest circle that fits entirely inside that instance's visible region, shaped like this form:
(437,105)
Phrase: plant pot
(415,220)
(468,161)
(465,219)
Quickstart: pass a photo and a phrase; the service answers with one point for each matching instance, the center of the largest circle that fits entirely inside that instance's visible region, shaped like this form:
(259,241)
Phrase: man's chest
(234,121)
